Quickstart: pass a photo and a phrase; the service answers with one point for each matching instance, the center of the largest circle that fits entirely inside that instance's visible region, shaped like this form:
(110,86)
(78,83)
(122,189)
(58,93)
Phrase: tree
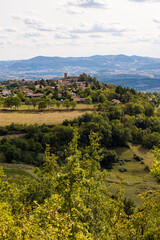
(16,101)
(34,102)
(109,157)
(73,104)
(155,170)
(148,109)
(87,91)
(55,94)
(42,105)
(21,95)
(58,104)
(12,101)
(53,103)
(8,102)
(151,139)
(28,102)
(101,98)
(48,102)
(88,100)
(66,103)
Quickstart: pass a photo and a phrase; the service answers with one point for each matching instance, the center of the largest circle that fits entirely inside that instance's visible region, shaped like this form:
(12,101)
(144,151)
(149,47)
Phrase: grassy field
(18,169)
(7,118)
(137,179)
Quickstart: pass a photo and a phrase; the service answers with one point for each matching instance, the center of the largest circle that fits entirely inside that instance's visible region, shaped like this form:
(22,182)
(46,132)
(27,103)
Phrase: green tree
(21,95)
(53,103)
(48,102)
(28,102)
(12,101)
(34,102)
(42,105)
(58,104)
(66,103)
(88,100)
(87,91)
(101,98)
(73,104)
(155,170)
(16,101)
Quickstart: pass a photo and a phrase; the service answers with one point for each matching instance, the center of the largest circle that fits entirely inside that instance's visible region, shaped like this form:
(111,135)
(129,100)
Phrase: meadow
(57,117)
(137,179)
(12,170)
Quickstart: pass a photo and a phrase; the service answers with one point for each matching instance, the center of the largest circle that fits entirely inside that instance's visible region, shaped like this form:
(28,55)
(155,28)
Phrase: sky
(75,28)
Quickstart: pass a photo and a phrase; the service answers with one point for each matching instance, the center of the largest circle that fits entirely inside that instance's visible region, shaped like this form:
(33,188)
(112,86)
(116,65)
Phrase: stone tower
(65,75)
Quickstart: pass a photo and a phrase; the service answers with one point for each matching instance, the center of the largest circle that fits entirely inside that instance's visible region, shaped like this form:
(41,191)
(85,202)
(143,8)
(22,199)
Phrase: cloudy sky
(30,28)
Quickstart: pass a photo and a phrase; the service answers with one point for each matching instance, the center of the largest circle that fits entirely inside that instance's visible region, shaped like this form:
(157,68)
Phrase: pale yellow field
(39,118)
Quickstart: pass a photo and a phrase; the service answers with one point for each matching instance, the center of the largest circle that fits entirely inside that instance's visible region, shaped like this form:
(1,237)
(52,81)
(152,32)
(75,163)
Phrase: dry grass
(38,117)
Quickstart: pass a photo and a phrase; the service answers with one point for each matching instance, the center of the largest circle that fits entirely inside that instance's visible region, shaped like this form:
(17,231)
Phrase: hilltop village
(68,90)
(37,88)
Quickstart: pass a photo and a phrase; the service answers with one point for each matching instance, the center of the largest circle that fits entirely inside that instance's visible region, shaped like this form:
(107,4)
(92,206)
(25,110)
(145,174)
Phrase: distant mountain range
(142,73)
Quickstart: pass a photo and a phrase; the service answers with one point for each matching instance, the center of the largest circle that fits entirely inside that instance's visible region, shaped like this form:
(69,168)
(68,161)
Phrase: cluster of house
(68,81)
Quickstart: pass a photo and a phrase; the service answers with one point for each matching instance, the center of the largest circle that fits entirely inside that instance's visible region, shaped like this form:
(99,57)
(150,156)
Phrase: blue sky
(79,28)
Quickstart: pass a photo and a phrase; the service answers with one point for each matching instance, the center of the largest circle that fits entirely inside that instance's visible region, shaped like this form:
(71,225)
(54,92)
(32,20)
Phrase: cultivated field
(6,118)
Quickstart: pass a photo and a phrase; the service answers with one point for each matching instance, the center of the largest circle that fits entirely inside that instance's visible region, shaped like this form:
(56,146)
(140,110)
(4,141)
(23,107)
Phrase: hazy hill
(139,72)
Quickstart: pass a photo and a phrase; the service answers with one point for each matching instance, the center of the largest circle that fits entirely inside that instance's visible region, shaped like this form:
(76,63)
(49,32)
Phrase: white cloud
(156,20)
(100,28)
(33,22)
(33,35)
(10,29)
(74,10)
(96,36)
(3,43)
(65,36)
(141,1)
(88,3)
